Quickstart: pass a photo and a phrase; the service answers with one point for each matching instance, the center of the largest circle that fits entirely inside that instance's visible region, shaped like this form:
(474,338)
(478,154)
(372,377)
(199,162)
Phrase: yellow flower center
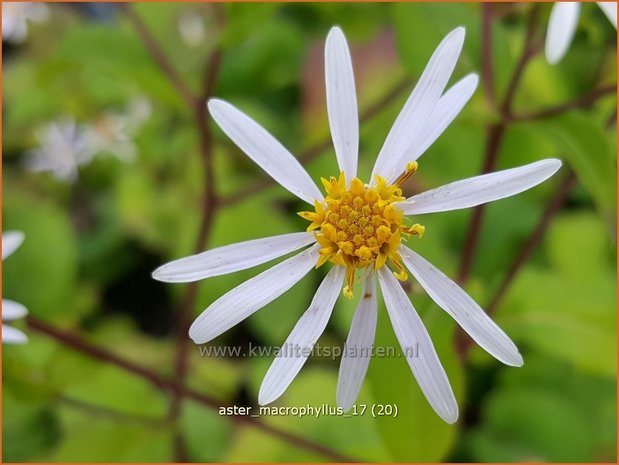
(360,226)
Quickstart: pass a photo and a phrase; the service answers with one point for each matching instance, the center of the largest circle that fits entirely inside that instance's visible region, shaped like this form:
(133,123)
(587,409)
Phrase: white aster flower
(562,26)
(11,240)
(191,28)
(359,228)
(15,17)
(63,146)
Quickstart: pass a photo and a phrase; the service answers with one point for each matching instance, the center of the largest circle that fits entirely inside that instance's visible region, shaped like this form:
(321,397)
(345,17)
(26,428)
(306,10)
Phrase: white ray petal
(447,108)
(342,102)
(301,340)
(610,10)
(462,308)
(408,125)
(561,29)
(12,310)
(11,240)
(481,189)
(265,150)
(12,335)
(358,349)
(249,297)
(231,258)
(418,348)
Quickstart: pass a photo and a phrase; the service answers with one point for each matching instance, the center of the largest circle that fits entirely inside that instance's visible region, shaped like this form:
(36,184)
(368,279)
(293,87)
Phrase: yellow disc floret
(360,226)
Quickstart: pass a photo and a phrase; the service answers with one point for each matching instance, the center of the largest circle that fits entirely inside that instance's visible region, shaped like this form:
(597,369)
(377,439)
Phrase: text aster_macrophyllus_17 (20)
(360,230)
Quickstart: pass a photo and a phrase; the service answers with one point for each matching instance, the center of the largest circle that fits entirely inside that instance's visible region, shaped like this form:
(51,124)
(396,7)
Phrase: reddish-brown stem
(553,207)
(209,205)
(75,342)
(494,139)
(495,134)
(197,106)
(157,53)
(579,102)
(531,47)
(487,71)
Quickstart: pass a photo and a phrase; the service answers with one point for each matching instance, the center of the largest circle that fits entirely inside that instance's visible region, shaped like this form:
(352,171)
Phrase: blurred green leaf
(418,433)
(114,388)
(547,411)
(28,429)
(118,54)
(112,439)
(582,143)
(569,311)
(208,434)
(42,273)
(314,388)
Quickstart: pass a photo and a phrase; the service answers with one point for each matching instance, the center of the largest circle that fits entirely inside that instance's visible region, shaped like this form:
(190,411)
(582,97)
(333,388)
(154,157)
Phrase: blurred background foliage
(91,245)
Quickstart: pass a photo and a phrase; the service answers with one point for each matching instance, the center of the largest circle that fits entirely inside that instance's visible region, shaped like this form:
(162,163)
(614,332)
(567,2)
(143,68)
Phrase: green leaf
(95,436)
(546,411)
(29,429)
(208,435)
(114,388)
(582,143)
(314,390)
(420,27)
(42,273)
(568,311)
(418,433)
(116,53)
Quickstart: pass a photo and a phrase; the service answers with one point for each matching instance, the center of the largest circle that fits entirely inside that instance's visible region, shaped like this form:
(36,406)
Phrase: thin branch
(157,53)
(209,200)
(487,70)
(612,120)
(553,207)
(77,343)
(579,102)
(322,146)
(530,49)
(494,140)
(209,206)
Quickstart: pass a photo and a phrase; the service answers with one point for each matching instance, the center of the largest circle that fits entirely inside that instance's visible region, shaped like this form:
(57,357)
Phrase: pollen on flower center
(359,226)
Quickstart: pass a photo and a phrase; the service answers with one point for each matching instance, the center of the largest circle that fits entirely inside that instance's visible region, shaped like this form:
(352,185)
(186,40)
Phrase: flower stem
(157,53)
(487,70)
(197,105)
(495,135)
(579,102)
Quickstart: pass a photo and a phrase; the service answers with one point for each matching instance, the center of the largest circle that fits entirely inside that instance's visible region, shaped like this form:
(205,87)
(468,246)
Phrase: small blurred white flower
(63,146)
(191,28)
(139,112)
(562,26)
(11,240)
(114,132)
(15,17)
